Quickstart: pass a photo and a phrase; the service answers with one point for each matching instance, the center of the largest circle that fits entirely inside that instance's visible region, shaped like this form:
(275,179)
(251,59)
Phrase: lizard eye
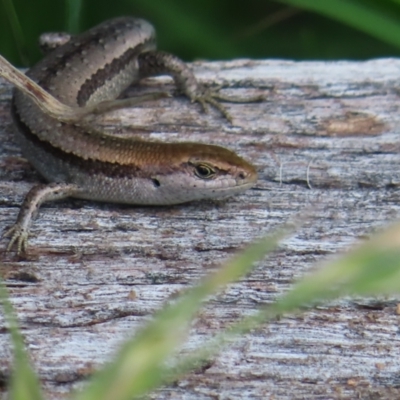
(204,171)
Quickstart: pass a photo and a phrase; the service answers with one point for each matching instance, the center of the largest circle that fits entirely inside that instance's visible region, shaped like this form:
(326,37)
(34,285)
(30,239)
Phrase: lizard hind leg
(154,62)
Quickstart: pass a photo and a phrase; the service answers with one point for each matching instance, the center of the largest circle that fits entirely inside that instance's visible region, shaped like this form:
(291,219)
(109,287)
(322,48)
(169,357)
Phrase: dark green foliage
(223,29)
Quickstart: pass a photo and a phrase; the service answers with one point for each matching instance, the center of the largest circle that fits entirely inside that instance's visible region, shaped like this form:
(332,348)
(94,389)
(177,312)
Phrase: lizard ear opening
(156,182)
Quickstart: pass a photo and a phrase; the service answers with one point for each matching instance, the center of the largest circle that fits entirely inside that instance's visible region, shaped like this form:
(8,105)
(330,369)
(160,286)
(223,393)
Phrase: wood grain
(325,139)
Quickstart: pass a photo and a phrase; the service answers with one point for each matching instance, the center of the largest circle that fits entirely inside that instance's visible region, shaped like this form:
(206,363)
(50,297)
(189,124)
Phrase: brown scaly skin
(54,111)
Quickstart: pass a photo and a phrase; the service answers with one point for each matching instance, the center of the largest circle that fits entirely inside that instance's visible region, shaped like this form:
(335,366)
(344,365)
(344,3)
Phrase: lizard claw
(213,98)
(18,236)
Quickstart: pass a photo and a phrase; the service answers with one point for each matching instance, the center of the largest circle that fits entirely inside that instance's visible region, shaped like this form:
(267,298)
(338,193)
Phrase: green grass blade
(138,367)
(17,32)
(24,382)
(74,11)
(371,269)
(362,16)
(199,31)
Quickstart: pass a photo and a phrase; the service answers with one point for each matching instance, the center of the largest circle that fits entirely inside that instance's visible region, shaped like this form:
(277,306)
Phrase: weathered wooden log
(325,139)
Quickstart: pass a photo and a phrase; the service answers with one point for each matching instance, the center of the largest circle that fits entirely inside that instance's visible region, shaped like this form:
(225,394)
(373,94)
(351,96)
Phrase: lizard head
(199,171)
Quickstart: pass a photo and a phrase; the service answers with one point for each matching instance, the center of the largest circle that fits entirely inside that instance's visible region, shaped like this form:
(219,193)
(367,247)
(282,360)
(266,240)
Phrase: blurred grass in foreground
(372,268)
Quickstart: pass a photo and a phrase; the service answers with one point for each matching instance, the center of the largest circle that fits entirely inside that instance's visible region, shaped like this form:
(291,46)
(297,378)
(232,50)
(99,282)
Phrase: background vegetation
(219,29)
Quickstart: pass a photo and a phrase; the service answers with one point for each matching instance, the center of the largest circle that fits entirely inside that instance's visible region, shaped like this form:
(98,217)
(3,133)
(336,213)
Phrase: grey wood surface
(326,139)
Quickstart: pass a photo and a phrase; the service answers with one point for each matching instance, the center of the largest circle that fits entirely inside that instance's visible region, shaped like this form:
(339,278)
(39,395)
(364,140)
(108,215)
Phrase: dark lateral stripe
(57,59)
(88,167)
(107,73)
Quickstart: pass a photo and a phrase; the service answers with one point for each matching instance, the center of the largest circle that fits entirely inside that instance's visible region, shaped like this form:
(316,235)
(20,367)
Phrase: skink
(54,111)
